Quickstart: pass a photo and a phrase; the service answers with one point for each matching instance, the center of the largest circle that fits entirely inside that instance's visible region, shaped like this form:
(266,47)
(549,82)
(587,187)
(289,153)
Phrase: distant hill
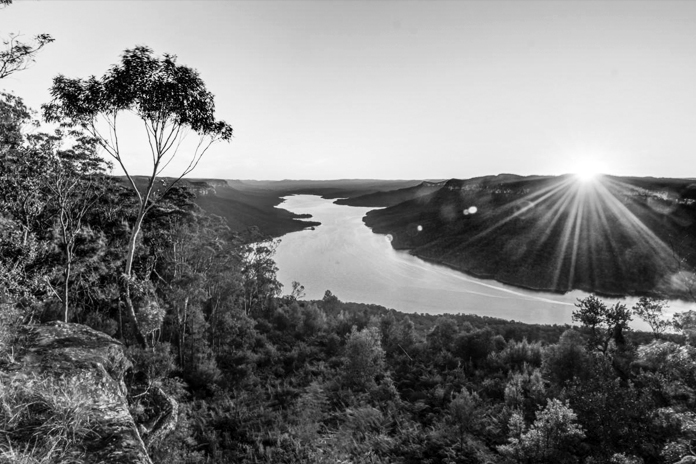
(341,188)
(247,203)
(393,197)
(613,236)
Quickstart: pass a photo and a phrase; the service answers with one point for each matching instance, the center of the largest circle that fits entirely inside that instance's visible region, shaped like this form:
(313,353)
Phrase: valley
(613,236)
(252,203)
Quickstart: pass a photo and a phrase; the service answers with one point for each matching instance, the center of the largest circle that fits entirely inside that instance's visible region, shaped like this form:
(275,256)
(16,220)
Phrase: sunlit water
(343,255)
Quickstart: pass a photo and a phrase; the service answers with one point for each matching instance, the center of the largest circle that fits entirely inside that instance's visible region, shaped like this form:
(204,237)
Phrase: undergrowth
(44,420)
(10,319)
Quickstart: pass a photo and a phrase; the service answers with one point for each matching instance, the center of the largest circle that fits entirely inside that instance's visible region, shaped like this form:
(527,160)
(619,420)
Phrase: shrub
(517,354)
(156,362)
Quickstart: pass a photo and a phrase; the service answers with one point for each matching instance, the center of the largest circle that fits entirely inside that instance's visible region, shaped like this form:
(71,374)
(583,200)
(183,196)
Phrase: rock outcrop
(98,363)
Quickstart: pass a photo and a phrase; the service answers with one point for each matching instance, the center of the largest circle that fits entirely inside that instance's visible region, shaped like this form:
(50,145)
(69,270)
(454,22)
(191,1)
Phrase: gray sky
(395,89)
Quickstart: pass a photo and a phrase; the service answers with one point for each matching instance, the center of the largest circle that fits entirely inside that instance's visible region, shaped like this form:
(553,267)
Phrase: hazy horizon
(404,90)
(193,176)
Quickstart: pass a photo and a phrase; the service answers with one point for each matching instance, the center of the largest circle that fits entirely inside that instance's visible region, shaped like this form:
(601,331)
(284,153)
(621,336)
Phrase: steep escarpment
(74,374)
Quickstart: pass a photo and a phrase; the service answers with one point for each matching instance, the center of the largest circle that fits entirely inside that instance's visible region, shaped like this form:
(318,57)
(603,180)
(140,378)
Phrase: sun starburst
(597,229)
(588,169)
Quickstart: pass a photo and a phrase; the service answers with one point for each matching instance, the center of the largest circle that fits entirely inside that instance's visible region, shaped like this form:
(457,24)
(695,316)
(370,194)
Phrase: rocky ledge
(92,365)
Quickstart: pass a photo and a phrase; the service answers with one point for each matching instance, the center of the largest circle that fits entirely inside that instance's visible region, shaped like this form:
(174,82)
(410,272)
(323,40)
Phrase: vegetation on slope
(613,236)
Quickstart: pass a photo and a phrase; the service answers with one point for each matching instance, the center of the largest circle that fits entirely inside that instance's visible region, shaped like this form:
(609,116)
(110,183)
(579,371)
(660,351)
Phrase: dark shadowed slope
(244,209)
(613,235)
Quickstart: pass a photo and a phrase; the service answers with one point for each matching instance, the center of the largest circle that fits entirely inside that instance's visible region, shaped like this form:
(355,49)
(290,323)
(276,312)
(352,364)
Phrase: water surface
(343,255)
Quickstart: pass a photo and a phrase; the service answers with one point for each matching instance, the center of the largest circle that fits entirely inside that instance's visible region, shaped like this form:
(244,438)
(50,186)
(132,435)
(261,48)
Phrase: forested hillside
(614,235)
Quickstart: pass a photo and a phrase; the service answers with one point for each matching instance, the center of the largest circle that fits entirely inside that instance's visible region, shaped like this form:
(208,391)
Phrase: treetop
(155,88)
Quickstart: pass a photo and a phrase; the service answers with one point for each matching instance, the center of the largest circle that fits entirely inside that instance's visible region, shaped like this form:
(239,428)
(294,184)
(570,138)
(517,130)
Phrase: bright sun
(587,170)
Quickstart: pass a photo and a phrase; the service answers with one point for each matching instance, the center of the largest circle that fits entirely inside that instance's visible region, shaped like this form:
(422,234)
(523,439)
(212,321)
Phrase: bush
(156,362)
(517,354)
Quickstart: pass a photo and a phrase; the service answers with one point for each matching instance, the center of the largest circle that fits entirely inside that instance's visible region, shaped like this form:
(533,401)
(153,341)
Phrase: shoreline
(677,300)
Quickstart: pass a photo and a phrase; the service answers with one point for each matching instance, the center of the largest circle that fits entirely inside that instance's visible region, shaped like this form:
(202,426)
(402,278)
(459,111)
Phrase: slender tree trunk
(180,336)
(66,289)
(133,241)
(130,308)
(130,312)
(183,328)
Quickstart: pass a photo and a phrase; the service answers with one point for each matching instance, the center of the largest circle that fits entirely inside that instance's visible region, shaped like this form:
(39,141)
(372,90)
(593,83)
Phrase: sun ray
(640,230)
(594,233)
(545,193)
(603,226)
(565,237)
(576,240)
(556,210)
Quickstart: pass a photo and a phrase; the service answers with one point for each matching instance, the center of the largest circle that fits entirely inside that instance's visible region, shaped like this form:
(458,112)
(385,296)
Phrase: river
(343,255)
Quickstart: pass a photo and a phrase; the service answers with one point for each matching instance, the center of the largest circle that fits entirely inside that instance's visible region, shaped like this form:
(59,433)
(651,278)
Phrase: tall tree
(259,272)
(365,358)
(168,98)
(650,310)
(685,322)
(551,438)
(73,179)
(48,185)
(24,212)
(606,323)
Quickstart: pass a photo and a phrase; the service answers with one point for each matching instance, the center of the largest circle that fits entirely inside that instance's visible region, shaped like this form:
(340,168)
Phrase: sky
(402,90)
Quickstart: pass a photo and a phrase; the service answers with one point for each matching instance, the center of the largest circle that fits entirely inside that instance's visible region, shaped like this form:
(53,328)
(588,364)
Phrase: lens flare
(587,170)
(584,227)
(587,176)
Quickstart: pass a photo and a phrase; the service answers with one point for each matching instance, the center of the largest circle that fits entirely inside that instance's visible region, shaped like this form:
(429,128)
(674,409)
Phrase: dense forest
(260,374)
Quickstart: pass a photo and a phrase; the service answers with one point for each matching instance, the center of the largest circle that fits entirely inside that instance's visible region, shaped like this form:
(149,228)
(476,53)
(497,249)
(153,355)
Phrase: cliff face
(91,365)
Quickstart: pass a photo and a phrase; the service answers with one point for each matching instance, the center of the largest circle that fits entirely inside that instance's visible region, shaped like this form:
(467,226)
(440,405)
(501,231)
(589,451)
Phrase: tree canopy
(170,99)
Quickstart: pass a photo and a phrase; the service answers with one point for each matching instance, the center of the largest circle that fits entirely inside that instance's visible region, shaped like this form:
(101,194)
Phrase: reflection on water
(345,256)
